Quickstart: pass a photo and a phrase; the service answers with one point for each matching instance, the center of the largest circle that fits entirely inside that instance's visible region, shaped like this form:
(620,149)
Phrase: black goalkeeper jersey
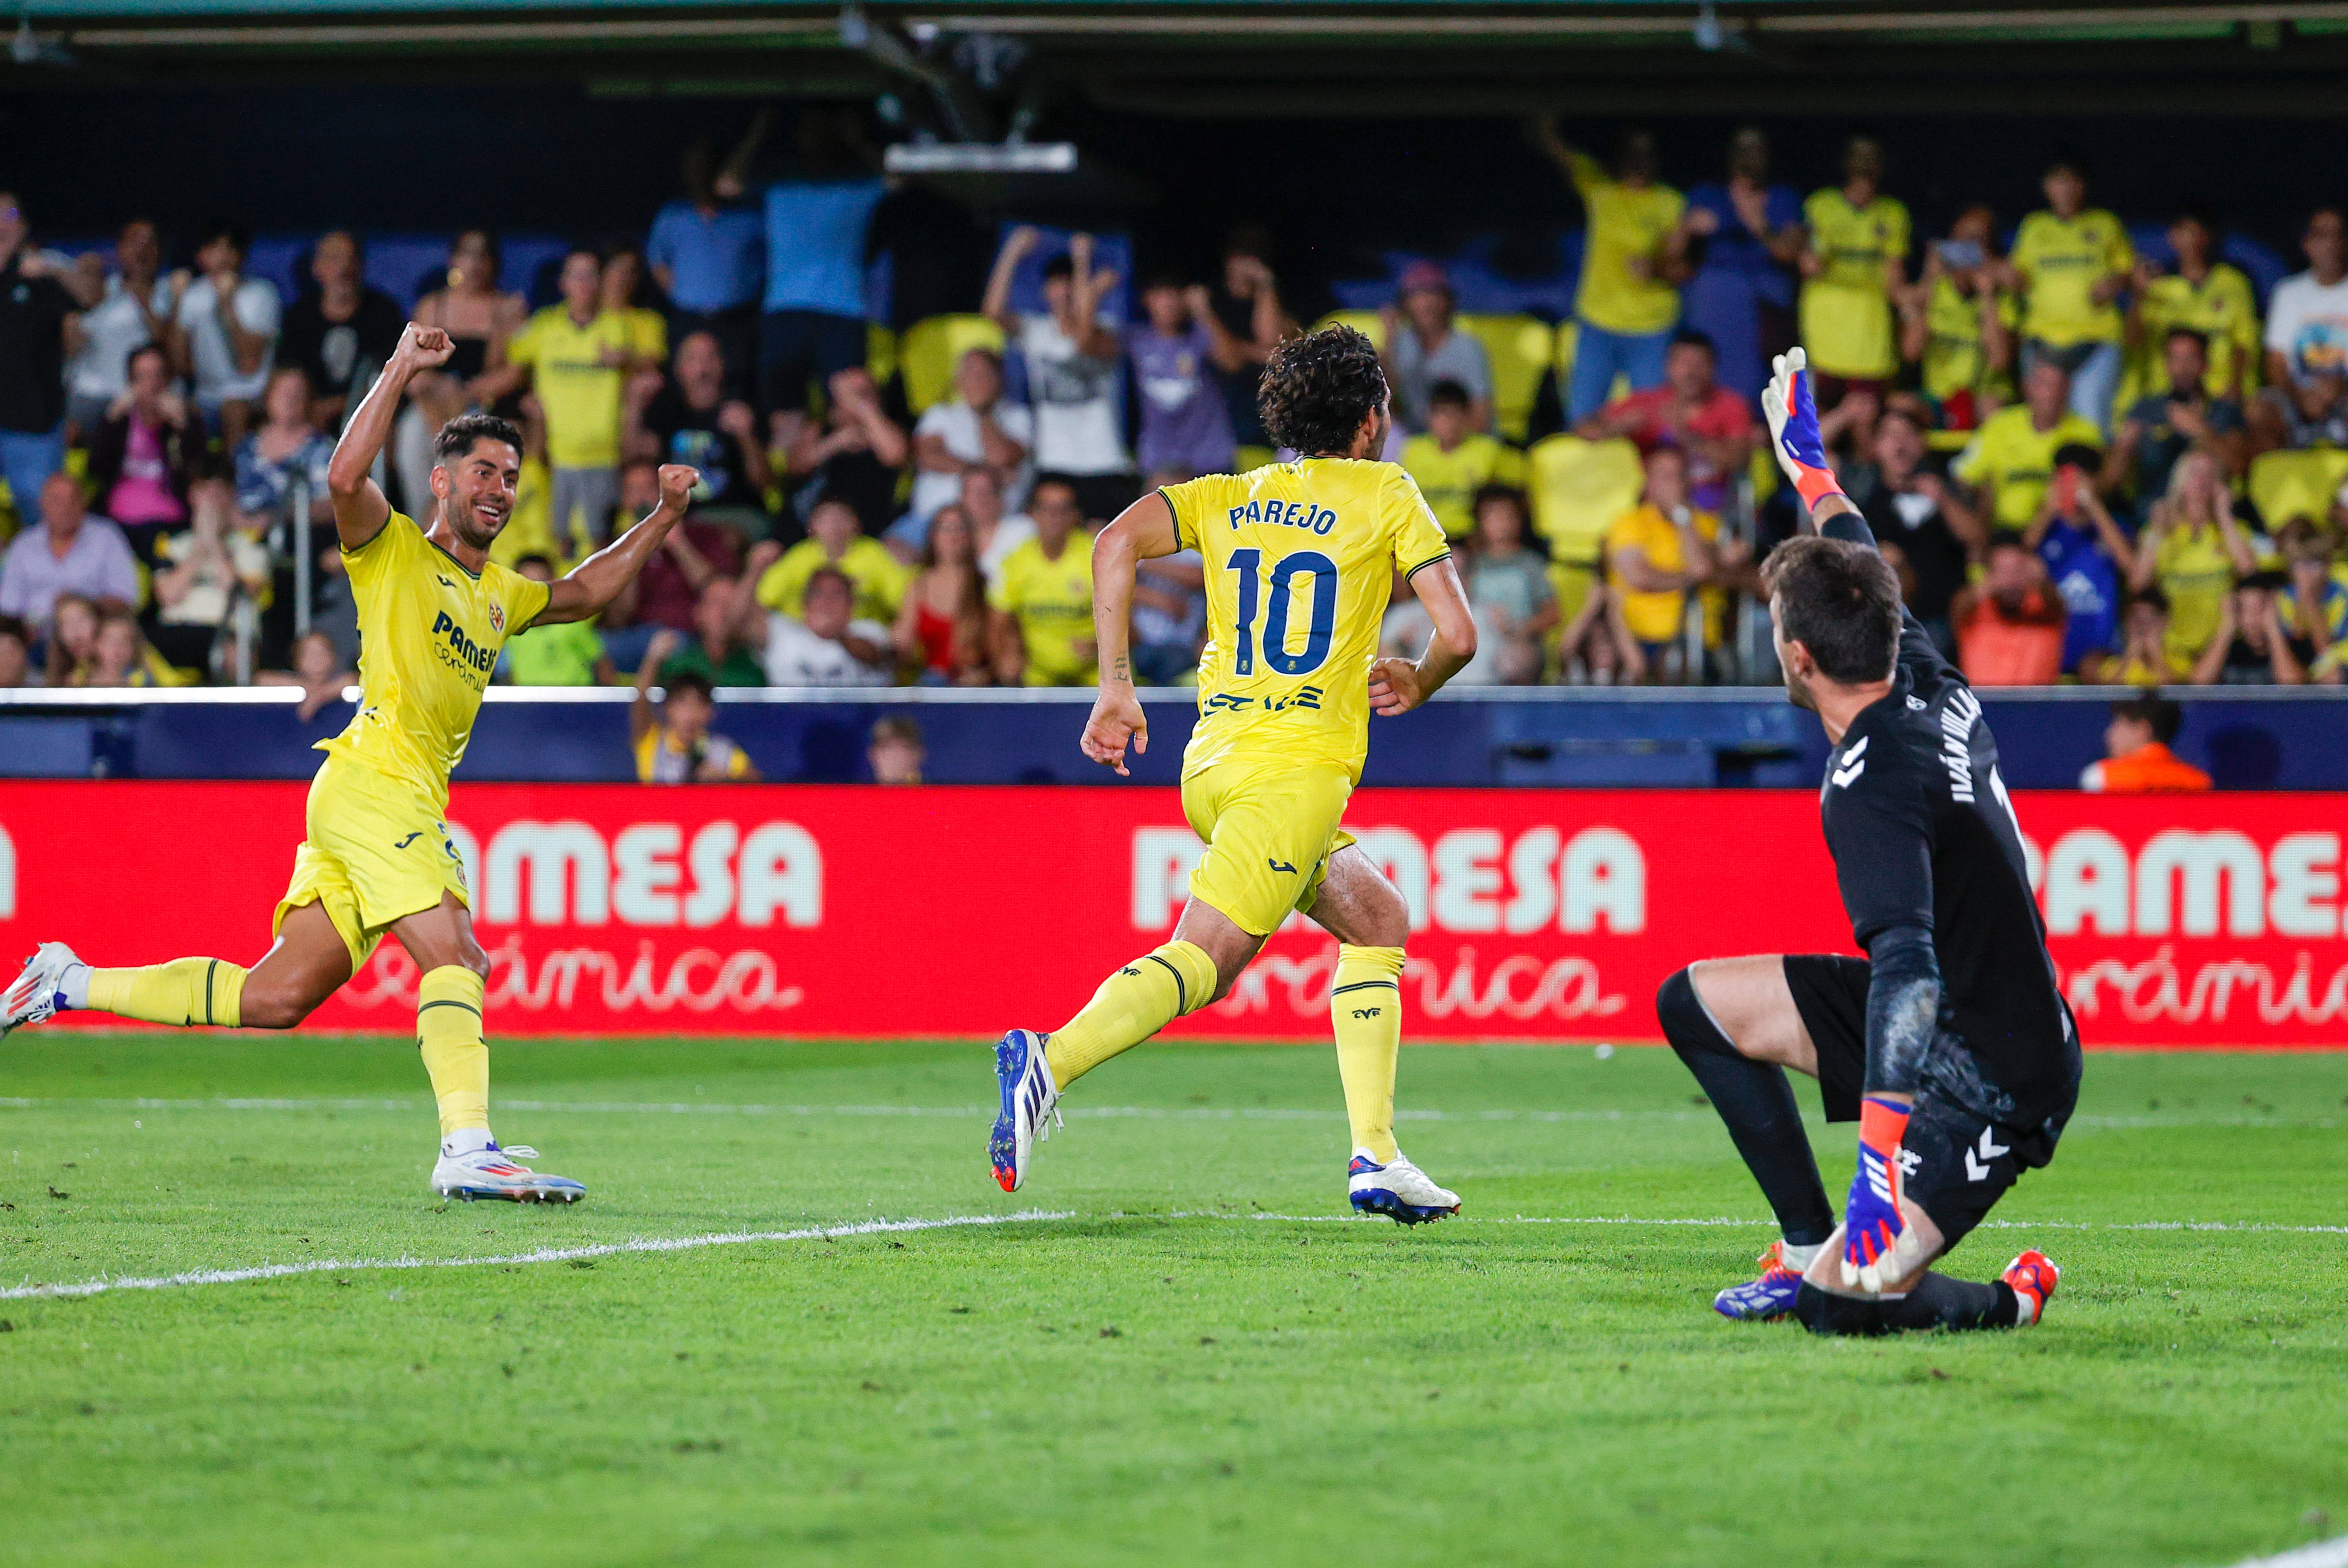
(1922,835)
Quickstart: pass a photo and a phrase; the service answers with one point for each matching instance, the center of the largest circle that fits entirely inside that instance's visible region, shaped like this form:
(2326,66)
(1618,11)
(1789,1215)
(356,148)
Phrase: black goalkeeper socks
(1936,1300)
(1757,1103)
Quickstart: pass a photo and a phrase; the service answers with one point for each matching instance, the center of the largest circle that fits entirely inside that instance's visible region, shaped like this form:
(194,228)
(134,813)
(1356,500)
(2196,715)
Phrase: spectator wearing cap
(228,331)
(1853,267)
(1424,346)
(1626,304)
(1178,350)
(1073,353)
(342,332)
(2162,427)
(1690,411)
(131,308)
(35,309)
(2087,555)
(2191,550)
(68,552)
(1736,238)
(2071,262)
(1452,460)
(2010,624)
(2136,756)
(2254,644)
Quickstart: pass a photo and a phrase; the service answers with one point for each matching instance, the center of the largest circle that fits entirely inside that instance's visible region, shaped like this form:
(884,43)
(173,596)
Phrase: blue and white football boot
(38,992)
(1398,1189)
(1031,1105)
(495,1172)
(1770,1295)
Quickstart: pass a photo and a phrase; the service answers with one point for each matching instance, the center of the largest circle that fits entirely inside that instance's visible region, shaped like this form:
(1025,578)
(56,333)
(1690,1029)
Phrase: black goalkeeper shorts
(1955,1163)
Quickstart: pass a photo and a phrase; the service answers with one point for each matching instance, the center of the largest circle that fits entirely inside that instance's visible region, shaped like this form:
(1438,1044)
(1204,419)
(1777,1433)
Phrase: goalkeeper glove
(1871,1220)
(1792,411)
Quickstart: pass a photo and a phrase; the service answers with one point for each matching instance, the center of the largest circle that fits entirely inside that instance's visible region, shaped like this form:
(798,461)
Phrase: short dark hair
(228,229)
(896,727)
(1318,388)
(1487,493)
(685,681)
(1062,266)
(461,434)
(2200,212)
(2165,715)
(2270,580)
(829,575)
(1693,337)
(2006,539)
(2149,594)
(1839,600)
(149,347)
(10,626)
(1449,394)
(541,556)
(2201,338)
(2078,455)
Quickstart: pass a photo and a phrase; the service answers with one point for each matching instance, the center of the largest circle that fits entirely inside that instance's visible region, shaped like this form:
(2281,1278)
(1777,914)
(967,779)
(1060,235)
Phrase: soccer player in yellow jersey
(1300,559)
(433,609)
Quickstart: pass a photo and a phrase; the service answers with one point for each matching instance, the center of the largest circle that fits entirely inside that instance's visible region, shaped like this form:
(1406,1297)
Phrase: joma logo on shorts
(472,653)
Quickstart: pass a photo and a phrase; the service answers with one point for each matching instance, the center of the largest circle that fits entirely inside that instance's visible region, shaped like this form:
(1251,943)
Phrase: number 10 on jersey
(1319,630)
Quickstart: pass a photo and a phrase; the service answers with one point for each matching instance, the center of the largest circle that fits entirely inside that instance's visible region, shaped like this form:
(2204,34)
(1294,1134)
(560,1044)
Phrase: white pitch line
(541,1256)
(877,1227)
(1107,1112)
(2333,1554)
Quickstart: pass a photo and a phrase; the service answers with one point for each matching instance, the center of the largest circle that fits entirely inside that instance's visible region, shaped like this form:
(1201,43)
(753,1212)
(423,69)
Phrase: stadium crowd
(2090,460)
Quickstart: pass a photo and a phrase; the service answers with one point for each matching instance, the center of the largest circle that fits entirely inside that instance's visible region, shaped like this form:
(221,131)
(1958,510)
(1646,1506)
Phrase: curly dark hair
(457,436)
(1318,388)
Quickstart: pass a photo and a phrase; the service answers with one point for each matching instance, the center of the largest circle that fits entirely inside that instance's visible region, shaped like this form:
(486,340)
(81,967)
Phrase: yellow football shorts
(1270,827)
(377,852)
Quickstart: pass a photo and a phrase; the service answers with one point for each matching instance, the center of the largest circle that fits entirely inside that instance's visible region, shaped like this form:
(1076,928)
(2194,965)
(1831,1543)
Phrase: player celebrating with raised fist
(433,611)
(1300,558)
(1949,1044)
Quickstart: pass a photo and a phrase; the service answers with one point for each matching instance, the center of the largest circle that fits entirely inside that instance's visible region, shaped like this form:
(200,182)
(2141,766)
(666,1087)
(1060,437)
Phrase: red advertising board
(1536,914)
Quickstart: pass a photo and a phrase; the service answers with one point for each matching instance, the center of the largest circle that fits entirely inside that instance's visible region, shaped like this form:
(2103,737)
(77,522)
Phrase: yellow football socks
(449,1029)
(184,991)
(1366,1008)
(1132,1005)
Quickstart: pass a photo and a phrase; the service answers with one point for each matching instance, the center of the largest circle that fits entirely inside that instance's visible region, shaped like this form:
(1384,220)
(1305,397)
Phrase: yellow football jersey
(1300,560)
(1845,314)
(429,631)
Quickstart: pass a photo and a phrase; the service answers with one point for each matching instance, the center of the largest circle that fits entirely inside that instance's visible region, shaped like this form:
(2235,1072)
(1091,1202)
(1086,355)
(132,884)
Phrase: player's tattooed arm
(595,581)
(1143,531)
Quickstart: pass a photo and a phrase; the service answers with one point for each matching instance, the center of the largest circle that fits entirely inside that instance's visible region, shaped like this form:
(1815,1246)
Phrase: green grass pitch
(1192,1359)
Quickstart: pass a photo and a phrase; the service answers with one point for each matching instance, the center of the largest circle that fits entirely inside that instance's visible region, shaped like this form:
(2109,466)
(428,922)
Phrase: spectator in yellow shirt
(834,540)
(1043,598)
(2012,460)
(1957,324)
(576,357)
(1853,268)
(2070,263)
(1627,302)
(2201,292)
(1657,553)
(1454,459)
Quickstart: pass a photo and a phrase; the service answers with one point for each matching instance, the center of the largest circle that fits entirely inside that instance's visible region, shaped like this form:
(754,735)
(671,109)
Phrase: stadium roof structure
(1295,57)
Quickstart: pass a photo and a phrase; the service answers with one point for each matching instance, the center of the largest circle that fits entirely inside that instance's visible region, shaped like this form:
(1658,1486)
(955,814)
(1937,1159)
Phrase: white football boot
(492,1172)
(37,992)
(1398,1189)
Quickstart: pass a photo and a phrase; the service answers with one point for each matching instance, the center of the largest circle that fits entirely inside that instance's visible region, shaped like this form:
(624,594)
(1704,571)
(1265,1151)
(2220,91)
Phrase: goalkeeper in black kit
(1949,1044)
